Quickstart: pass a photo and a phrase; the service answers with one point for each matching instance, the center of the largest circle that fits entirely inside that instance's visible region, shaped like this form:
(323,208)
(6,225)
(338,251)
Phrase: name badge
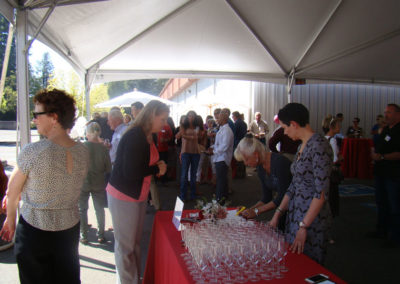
(387,138)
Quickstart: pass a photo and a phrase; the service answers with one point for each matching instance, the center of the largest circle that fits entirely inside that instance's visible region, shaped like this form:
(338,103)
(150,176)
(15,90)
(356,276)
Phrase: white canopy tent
(265,40)
(127,99)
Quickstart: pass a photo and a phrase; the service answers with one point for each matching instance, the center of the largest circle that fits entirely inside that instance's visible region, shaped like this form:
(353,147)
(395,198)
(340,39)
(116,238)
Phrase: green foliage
(44,70)
(150,86)
(9,102)
(3,42)
(72,84)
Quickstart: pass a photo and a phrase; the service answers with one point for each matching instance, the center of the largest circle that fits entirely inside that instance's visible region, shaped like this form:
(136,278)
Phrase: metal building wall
(364,101)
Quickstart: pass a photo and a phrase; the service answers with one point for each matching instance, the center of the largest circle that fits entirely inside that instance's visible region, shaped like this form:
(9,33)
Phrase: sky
(36,54)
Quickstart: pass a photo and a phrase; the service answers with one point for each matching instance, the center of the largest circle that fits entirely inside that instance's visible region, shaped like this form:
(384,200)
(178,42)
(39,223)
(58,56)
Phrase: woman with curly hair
(48,178)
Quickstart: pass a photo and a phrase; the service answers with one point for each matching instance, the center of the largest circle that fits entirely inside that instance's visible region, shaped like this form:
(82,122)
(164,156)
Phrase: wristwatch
(382,156)
(302,225)
(256,211)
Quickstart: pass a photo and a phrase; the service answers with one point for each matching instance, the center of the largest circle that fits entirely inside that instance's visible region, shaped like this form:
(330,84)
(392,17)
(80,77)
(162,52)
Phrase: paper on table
(176,218)
(231,215)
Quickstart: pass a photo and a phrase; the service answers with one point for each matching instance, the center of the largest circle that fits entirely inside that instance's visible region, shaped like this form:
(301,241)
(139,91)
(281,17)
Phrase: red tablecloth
(165,264)
(357,158)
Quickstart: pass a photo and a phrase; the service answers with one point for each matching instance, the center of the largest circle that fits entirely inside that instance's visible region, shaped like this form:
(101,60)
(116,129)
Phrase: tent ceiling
(350,40)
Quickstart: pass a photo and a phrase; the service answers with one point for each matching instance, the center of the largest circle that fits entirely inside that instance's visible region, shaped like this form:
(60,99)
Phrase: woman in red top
(137,159)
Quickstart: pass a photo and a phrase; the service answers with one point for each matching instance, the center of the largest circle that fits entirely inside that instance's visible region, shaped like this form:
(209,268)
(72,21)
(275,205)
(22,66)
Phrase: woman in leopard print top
(48,179)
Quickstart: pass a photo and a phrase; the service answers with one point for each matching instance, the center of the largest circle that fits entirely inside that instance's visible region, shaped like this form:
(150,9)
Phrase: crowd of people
(125,156)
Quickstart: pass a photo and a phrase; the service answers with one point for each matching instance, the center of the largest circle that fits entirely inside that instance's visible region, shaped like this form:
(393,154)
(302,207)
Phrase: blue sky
(36,53)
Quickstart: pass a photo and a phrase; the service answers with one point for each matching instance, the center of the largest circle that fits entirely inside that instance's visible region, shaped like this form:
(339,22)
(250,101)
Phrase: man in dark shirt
(240,128)
(386,170)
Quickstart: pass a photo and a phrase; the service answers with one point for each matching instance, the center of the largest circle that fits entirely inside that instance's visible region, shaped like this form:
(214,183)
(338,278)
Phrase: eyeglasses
(36,114)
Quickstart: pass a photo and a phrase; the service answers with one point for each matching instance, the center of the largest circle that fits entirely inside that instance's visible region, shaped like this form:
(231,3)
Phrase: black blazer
(132,163)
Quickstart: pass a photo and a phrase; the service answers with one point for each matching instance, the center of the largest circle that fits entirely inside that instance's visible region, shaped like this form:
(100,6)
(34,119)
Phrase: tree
(44,70)
(9,103)
(73,85)
(3,41)
(150,86)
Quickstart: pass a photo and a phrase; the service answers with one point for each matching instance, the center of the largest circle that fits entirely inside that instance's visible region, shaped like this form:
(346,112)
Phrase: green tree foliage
(9,102)
(44,70)
(98,94)
(150,86)
(72,84)
(3,42)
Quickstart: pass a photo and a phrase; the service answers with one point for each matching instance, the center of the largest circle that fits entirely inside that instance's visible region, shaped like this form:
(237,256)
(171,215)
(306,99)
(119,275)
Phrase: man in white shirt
(259,128)
(222,154)
(116,123)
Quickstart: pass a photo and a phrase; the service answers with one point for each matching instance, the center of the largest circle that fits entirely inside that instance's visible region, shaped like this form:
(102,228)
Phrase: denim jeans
(388,206)
(222,179)
(192,161)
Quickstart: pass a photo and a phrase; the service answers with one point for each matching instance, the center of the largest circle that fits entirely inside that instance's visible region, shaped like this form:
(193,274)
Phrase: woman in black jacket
(137,160)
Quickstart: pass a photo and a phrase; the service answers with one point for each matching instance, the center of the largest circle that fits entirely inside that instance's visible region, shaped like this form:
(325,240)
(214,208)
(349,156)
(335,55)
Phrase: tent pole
(23,117)
(87,94)
(39,28)
(289,85)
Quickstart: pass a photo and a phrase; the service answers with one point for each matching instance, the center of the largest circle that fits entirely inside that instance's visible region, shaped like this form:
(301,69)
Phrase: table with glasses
(224,252)
(357,161)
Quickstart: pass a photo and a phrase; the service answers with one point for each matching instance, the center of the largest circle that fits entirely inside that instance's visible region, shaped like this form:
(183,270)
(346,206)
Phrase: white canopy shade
(265,40)
(127,99)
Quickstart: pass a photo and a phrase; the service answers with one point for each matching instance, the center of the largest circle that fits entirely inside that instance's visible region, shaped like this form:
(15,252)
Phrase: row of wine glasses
(233,251)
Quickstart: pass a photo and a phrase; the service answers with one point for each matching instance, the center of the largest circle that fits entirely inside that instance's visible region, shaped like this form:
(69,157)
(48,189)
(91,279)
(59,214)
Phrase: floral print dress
(311,172)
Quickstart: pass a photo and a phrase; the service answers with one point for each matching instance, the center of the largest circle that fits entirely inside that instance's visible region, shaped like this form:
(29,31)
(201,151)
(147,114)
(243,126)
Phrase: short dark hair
(58,102)
(356,119)
(294,112)
(137,105)
(339,115)
(217,110)
(227,110)
(236,114)
(395,106)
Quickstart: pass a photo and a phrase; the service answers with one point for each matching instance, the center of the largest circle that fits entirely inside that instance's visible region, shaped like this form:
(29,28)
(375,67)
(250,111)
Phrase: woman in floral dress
(306,197)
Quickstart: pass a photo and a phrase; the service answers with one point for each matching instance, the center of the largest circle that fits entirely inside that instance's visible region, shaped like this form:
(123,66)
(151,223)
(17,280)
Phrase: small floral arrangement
(211,210)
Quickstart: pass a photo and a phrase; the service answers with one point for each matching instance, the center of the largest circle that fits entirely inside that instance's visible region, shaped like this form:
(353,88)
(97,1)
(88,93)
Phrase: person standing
(240,128)
(116,123)
(387,180)
(95,184)
(222,152)
(128,189)
(355,131)
(259,128)
(48,178)
(190,154)
(238,167)
(136,107)
(377,128)
(308,215)
(163,139)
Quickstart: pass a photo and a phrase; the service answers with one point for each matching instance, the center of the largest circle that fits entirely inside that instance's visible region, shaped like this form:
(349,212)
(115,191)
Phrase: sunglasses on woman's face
(36,114)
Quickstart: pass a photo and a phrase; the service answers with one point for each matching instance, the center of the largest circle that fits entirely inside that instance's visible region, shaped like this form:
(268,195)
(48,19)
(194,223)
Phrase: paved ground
(354,258)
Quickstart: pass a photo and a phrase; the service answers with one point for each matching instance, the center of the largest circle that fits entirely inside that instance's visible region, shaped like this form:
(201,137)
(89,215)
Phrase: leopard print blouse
(50,194)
